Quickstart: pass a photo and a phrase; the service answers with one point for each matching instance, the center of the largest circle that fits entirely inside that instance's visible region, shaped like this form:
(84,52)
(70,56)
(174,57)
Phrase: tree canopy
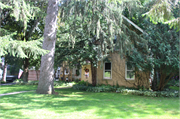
(164,11)
(19,12)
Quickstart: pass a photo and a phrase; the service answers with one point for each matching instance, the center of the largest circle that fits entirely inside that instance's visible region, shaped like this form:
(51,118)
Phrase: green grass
(174,87)
(15,88)
(76,104)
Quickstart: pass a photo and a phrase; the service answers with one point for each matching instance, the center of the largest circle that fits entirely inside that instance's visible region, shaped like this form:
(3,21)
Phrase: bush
(58,83)
(3,82)
(76,80)
(123,90)
(18,81)
(173,82)
(149,93)
(80,87)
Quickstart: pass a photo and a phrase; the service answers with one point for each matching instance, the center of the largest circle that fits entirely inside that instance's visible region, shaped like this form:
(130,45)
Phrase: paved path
(8,84)
(29,91)
(15,93)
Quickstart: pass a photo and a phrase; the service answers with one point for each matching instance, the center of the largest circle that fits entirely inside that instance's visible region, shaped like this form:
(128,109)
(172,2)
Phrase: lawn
(15,88)
(76,104)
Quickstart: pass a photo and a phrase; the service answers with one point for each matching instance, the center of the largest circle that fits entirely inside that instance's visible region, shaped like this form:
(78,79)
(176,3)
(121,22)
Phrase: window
(130,75)
(107,70)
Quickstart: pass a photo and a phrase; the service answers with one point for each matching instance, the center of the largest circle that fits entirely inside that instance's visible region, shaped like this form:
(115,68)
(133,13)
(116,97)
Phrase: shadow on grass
(15,88)
(78,103)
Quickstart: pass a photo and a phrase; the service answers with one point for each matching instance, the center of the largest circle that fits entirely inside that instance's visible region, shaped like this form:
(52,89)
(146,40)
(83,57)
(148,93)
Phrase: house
(116,71)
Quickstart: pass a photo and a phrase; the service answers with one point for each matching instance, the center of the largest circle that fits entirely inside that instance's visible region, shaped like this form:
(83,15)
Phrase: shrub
(76,80)
(173,82)
(2,82)
(80,87)
(58,83)
(123,90)
(149,93)
(18,81)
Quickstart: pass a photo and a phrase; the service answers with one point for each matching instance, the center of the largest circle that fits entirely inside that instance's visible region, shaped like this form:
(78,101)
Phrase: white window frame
(107,70)
(126,70)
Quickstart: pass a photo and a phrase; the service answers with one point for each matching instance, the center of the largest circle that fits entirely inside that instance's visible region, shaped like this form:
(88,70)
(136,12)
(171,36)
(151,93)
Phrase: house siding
(83,77)
(118,74)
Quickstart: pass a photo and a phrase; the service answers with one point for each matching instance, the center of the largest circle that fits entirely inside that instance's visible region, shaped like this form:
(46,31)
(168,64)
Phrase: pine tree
(87,23)
(164,11)
(19,30)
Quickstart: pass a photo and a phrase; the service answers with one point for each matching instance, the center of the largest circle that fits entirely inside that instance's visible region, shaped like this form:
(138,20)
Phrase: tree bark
(25,72)
(37,74)
(4,72)
(94,73)
(154,82)
(46,84)
(63,72)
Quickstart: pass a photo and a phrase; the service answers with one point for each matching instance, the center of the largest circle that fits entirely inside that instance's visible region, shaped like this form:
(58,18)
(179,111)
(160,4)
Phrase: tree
(161,56)
(45,85)
(91,22)
(20,30)
(158,58)
(164,11)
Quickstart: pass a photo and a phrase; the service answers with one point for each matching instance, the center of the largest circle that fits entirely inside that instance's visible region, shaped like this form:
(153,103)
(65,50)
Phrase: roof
(129,21)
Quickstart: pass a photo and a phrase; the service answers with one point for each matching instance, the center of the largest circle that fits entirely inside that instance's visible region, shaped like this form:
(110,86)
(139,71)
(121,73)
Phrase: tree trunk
(46,84)
(37,74)
(154,82)
(164,81)
(4,72)
(63,72)
(25,72)
(94,73)
(70,75)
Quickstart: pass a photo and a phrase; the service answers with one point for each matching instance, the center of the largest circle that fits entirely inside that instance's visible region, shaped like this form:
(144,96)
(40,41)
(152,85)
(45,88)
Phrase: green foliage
(149,93)
(19,28)
(23,10)
(21,49)
(162,53)
(76,80)
(173,82)
(103,88)
(2,82)
(174,87)
(127,91)
(162,11)
(80,87)
(88,33)
(58,83)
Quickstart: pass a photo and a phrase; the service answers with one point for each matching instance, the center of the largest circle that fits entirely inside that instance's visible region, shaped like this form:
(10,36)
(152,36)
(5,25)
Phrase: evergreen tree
(91,27)
(20,30)
(162,56)
(164,11)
